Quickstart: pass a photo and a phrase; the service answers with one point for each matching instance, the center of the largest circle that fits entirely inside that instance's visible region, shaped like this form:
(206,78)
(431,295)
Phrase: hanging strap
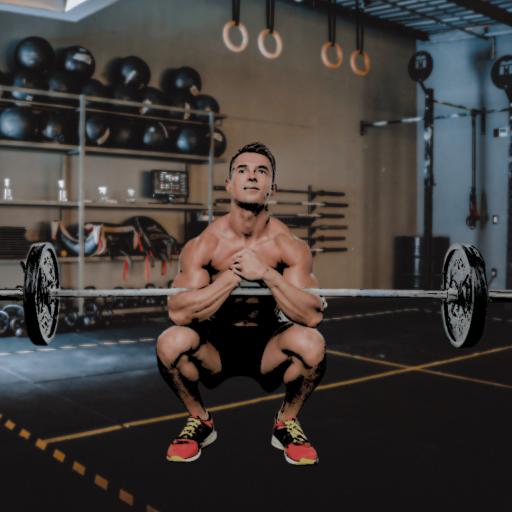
(270,12)
(331,23)
(126,267)
(236,12)
(359,27)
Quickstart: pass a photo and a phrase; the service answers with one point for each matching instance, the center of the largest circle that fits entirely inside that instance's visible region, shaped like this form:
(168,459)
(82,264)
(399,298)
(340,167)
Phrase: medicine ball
(27,80)
(132,71)
(124,134)
(186,79)
(61,81)
(97,129)
(188,140)
(19,123)
(219,141)
(34,54)
(56,127)
(182,100)
(152,96)
(125,93)
(78,61)
(155,136)
(206,103)
(93,87)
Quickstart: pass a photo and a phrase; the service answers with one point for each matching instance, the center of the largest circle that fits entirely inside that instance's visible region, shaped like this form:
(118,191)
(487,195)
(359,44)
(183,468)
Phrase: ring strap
(359,27)
(331,23)
(270,14)
(236,12)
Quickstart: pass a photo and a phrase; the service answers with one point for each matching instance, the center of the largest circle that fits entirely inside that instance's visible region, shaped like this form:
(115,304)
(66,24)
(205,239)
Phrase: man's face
(251,179)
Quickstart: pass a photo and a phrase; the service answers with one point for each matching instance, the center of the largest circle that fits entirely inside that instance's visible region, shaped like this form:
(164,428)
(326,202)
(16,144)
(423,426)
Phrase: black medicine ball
(77,60)
(97,130)
(206,103)
(181,100)
(34,54)
(131,71)
(219,142)
(61,81)
(124,134)
(152,96)
(19,123)
(188,140)
(56,127)
(155,136)
(125,93)
(186,79)
(27,80)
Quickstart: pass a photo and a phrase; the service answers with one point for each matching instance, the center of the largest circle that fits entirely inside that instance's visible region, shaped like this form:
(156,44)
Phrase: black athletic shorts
(241,349)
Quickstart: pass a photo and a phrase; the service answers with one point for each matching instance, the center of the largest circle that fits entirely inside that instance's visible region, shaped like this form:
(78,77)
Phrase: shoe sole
(209,440)
(301,462)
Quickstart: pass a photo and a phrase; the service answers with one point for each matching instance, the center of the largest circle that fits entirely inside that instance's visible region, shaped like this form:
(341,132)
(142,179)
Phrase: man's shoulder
(204,243)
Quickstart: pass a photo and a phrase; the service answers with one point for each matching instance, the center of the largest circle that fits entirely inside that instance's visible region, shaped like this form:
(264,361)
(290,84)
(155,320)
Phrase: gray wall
(462,75)
(309,115)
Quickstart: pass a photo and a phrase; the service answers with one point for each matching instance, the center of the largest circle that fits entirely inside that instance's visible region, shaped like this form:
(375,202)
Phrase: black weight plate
(4,323)
(41,309)
(464,318)
(420,66)
(501,72)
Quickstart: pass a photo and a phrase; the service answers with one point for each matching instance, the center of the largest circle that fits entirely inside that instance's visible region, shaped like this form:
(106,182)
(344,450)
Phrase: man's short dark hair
(255,147)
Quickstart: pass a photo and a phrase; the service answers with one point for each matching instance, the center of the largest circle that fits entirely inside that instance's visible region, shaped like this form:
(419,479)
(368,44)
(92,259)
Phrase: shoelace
(190,428)
(295,430)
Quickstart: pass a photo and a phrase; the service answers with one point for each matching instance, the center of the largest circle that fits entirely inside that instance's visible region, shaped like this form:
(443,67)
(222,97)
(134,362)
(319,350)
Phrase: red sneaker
(289,437)
(196,434)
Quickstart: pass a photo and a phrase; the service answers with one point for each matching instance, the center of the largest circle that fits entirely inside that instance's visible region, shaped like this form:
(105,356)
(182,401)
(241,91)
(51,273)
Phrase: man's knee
(307,343)
(174,342)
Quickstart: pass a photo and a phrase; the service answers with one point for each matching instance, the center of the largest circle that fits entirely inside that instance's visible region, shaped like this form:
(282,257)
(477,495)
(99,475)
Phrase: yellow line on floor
(450,375)
(277,396)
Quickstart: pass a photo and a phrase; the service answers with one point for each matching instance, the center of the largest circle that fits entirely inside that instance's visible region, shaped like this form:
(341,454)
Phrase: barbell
(464,294)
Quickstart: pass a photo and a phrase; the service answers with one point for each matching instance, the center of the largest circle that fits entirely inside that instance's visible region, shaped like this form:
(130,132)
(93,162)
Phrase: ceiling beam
(487,9)
(373,21)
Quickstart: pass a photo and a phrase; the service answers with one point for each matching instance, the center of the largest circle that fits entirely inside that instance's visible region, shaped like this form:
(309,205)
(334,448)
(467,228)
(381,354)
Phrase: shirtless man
(271,338)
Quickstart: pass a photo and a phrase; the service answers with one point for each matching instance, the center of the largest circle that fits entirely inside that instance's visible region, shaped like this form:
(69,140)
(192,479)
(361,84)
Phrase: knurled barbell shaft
(324,292)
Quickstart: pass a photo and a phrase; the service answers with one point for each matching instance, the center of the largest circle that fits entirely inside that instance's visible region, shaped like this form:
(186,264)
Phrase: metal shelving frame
(82,150)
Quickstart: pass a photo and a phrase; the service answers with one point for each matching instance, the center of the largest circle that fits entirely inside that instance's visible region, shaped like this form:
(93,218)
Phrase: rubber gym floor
(401,420)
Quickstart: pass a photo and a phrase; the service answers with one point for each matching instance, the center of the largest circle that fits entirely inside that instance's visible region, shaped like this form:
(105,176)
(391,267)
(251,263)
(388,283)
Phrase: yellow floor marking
(266,398)
(41,444)
(101,482)
(9,425)
(386,362)
(78,468)
(58,455)
(94,432)
(25,434)
(126,497)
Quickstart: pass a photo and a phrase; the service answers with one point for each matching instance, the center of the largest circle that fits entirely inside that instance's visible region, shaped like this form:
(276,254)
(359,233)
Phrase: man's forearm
(200,304)
(300,306)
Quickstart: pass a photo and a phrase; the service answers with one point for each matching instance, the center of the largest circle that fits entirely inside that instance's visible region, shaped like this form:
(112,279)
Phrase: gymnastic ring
(261,44)
(353,63)
(325,57)
(227,41)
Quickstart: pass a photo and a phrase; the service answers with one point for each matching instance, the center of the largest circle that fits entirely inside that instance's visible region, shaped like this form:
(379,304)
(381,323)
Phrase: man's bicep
(299,271)
(191,273)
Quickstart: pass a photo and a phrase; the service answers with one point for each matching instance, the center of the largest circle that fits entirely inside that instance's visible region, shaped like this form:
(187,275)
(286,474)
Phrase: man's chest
(267,251)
